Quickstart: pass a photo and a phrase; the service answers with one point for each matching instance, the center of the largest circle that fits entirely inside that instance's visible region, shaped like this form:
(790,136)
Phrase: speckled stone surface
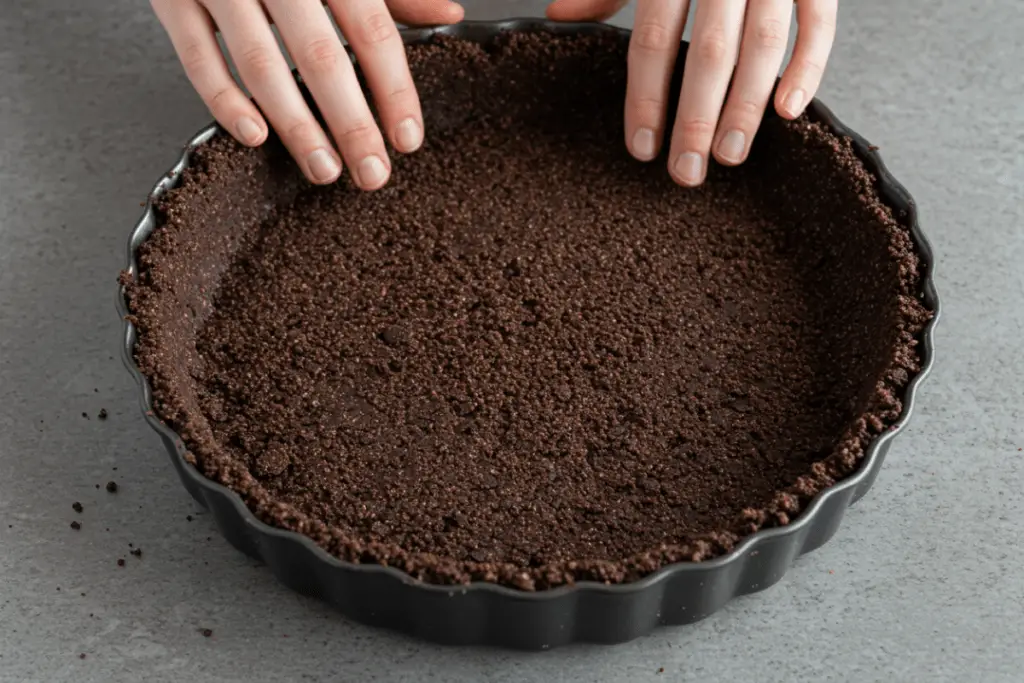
(921,583)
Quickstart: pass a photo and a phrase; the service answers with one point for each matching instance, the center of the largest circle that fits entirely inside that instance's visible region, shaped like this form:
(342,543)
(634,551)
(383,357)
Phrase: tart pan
(488,614)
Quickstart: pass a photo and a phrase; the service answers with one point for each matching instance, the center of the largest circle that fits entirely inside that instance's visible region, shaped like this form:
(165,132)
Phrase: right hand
(734,58)
(368,26)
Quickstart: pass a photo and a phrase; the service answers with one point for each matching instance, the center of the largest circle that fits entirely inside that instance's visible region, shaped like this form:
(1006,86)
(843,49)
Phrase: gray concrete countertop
(921,584)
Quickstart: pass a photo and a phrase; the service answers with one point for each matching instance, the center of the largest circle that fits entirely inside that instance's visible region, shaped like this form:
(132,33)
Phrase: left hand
(305,27)
(742,40)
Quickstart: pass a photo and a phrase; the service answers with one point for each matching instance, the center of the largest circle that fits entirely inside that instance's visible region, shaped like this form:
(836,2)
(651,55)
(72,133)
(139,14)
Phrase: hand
(755,31)
(321,59)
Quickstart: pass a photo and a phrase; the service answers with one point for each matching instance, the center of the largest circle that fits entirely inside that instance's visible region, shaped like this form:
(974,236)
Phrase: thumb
(584,10)
(425,12)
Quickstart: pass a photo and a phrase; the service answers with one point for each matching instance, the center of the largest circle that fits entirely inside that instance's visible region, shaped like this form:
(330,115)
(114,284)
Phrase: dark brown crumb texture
(530,359)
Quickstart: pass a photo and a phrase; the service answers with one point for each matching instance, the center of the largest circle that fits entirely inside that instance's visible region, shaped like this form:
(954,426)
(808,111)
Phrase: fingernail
(409,136)
(732,146)
(689,168)
(643,144)
(794,103)
(249,131)
(455,12)
(372,173)
(323,166)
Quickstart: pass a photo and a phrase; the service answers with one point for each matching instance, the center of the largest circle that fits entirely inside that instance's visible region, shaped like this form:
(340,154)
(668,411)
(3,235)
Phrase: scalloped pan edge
(488,614)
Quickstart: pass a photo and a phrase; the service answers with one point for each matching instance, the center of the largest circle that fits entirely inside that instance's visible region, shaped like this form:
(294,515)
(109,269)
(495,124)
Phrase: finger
(192,34)
(265,72)
(709,64)
(373,36)
(584,10)
(817,30)
(327,70)
(761,53)
(653,48)
(425,12)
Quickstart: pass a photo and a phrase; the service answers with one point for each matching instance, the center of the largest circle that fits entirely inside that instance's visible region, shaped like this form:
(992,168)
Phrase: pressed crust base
(530,359)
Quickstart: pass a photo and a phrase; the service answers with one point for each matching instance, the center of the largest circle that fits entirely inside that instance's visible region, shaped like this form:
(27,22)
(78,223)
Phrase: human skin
(736,51)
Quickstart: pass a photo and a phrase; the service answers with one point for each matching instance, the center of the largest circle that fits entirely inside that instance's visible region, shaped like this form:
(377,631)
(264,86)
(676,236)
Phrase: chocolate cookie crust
(530,359)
